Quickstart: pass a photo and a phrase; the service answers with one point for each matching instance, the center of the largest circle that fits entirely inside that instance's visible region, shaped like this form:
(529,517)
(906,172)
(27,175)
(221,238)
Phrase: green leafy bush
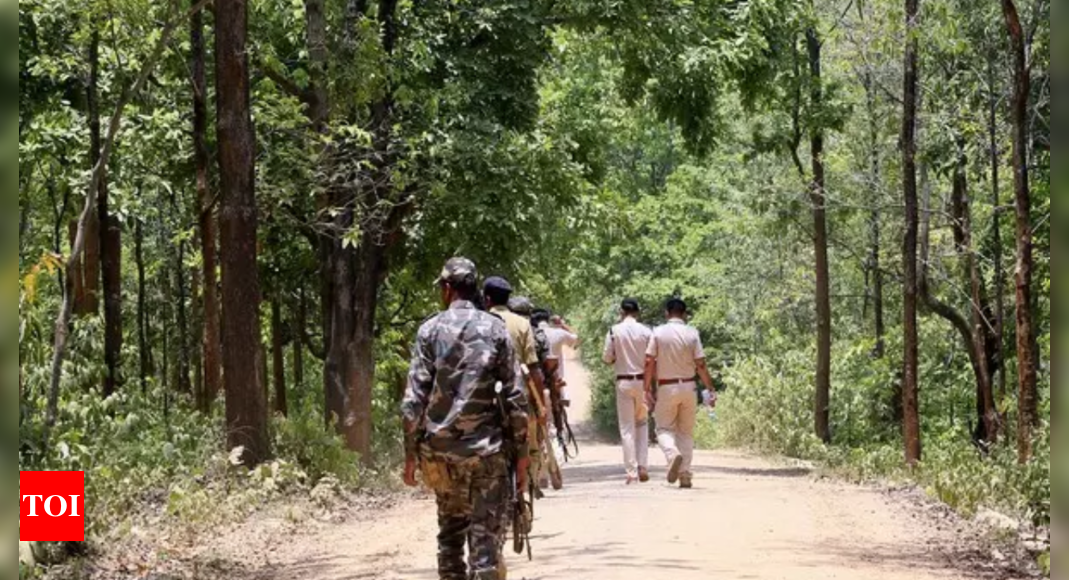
(768,408)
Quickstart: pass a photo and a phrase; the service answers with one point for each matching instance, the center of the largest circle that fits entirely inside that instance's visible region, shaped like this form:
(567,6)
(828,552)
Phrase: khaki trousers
(677,415)
(633,415)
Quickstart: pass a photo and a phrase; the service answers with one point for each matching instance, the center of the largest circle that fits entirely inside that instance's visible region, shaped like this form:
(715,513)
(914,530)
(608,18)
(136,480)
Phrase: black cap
(497,284)
(676,305)
(630,305)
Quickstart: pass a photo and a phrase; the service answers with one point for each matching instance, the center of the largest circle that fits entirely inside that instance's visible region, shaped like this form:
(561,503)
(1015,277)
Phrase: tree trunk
(820,239)
(88,286)
(318,104)
(144,352)
(246,409)
(987,424)
(111,261)
(278,358)
(184,383)
(211,342)
(996,233)
(196,294)
(299,324)
(875,219)
(1028,396)
(911,384)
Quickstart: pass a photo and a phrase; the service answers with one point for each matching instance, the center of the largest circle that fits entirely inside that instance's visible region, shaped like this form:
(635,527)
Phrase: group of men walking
(485,380)
(657,369)
(482,388)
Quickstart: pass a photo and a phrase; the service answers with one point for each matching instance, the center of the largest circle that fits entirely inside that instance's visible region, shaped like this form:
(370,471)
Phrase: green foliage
(315,451)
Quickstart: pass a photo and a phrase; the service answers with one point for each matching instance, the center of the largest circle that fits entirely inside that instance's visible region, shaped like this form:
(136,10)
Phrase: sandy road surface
(747,519)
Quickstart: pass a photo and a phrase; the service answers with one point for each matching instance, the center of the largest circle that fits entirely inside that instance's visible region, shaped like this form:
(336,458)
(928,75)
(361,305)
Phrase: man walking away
(625,350)
(454,426)
(497,292)
(675,355)
(560,335)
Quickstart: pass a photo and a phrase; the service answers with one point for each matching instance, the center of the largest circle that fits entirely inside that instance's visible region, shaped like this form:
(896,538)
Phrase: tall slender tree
(211,342)
(911,374)
(1028,395)
(818,197)
(246,406)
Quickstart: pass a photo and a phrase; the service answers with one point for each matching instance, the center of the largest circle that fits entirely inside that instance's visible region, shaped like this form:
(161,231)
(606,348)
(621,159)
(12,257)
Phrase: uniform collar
(462,305)
(500,309)
(630,320)
(676,321)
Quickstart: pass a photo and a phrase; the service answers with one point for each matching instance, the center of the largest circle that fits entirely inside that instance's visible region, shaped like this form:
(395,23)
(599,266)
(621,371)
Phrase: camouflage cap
(458,271)
(522,306)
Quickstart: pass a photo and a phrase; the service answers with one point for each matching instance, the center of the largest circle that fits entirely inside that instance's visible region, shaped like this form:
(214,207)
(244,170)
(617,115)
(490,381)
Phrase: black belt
(671,382)
(630,377)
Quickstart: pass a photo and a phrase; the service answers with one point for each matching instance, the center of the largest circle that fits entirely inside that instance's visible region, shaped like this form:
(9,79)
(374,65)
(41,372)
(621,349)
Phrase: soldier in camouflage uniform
(454,429)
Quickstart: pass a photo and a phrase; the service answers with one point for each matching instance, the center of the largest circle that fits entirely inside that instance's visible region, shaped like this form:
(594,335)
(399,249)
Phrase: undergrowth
(768,408)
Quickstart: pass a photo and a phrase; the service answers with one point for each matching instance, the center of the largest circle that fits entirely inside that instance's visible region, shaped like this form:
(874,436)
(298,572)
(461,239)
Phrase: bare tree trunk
(184,383)
(88,286)
(318,102)
(299,324)
(875,219)
(211,341)
(278,358)
(246,408)
(196,294)
(996,232)
(66,311)
(142,308)
(987,425)
(111,262)
(820,239)
(911,386)
(1028,395)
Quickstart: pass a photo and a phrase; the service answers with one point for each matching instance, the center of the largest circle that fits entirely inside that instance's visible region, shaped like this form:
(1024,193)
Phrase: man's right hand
(651,400)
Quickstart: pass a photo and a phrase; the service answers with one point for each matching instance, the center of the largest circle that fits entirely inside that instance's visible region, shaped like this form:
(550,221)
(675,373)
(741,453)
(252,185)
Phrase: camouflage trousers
(471,513)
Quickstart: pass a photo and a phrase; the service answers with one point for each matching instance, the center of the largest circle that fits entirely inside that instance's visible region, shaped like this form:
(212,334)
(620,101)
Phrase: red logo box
(51,506)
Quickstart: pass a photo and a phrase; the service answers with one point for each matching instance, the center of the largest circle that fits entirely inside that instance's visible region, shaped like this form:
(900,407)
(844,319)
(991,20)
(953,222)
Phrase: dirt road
(747,519)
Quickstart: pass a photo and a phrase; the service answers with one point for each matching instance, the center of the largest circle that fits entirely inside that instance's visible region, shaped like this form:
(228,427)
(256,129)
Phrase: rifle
(565,435)
(519,507)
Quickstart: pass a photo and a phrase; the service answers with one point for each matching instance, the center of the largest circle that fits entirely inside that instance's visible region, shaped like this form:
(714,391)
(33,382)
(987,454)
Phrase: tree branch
(286,84)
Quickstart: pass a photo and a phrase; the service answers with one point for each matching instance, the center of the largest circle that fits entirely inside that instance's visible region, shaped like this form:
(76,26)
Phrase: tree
(911,386)
(246,407)
(211,342)
(110,231)
(1027,350)
(817,194)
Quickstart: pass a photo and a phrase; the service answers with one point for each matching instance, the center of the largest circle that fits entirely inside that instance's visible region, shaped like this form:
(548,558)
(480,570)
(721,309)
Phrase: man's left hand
(521,473)
(410,473)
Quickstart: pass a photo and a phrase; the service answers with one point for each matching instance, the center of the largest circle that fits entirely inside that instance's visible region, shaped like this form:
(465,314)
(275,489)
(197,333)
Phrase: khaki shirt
(625,347)
(522,337)
(676,346)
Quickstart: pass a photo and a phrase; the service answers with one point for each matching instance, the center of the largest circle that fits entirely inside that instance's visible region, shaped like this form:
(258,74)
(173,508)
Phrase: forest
(231,214)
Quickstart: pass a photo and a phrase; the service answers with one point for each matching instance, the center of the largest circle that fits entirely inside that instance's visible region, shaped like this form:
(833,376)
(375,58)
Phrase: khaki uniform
(524,343)
(625,349)
(677,347)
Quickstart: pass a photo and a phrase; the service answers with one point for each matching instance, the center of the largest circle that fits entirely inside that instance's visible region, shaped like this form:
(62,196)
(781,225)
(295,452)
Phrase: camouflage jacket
(541,345)
(451,401)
